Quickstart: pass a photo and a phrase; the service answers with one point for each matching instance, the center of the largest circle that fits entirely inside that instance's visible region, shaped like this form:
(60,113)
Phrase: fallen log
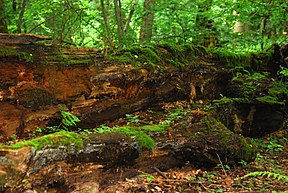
(50,159)
(39,80)
(6,39)
(92,87)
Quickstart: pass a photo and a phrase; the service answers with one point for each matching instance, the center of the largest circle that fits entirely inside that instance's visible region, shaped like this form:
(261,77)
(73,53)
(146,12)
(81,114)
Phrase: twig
(221,164)
(159,172)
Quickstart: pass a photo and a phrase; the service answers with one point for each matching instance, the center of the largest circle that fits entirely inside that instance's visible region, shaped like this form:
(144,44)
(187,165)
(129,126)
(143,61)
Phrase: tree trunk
(130,15)
(21,15)
(107,39)
(118,15)
(205,25)
(3,24)
(146,31)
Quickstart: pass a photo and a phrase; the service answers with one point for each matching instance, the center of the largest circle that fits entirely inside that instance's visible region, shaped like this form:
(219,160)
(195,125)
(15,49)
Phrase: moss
(7,52)
(53,140)
(71,62)
(138,133)
(231,59)
(27,57)
(137,56)
(180,56)
(230,142)
(145,141)
(153,128)
(228,101)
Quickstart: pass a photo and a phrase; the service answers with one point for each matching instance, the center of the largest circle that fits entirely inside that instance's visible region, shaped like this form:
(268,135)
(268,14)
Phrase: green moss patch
(53,140)
(231,59)
(139,134)
(160,55)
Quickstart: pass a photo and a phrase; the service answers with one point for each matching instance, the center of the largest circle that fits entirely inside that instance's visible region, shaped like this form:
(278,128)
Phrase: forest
(143,96)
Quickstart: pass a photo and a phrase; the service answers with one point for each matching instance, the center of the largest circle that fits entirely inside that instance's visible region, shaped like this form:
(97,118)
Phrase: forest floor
(268,173)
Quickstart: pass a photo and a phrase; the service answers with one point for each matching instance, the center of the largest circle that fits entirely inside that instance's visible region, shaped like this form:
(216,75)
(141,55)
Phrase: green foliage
(102,129)
(132,119)
(148,177)
(80,23)
(250,83)
(268,174)
(68,119)
(283,73)
(271,145)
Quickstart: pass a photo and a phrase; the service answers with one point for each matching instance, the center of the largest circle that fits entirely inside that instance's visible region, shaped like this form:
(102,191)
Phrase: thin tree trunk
(205,25)
(130,15)
(3,24)
(120,32)
(147,22)
(107,40)
(21,15)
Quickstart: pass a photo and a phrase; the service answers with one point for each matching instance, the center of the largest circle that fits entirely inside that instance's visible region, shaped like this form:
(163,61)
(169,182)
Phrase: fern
(68,119)
(268,175)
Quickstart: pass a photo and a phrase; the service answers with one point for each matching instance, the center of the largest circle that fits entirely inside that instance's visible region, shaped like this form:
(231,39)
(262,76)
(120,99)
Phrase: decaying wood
(37,80)
(205,147)
(45,77)
(15,39)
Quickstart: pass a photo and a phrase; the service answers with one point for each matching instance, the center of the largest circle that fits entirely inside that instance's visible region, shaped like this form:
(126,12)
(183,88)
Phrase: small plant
(86,131)
(267,174)
(243,163)
(39,130)
(283,72)
(132,119)
(68,119)
(271,146)
(13,137)
(102,129)
(148,177)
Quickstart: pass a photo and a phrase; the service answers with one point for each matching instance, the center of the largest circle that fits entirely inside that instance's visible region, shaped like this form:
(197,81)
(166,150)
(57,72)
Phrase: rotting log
(6,39)
(18,164)
(36,79)
(205,142)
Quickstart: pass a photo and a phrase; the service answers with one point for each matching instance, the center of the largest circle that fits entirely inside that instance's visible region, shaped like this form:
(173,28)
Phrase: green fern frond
(68,119)
(274,175)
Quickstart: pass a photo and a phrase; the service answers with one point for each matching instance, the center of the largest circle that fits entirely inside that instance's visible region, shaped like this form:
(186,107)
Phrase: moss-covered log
(25,159)
(53,158)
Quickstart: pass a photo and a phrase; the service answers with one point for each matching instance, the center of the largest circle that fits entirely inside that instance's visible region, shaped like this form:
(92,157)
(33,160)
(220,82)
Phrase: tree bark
(130,15)
(107,39)
(205,25)
(146,31)
(21,15)
(118,16)
(3,24)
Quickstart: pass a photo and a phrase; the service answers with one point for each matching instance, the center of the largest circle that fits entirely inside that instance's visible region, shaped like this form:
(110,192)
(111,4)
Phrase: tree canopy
(232,24)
